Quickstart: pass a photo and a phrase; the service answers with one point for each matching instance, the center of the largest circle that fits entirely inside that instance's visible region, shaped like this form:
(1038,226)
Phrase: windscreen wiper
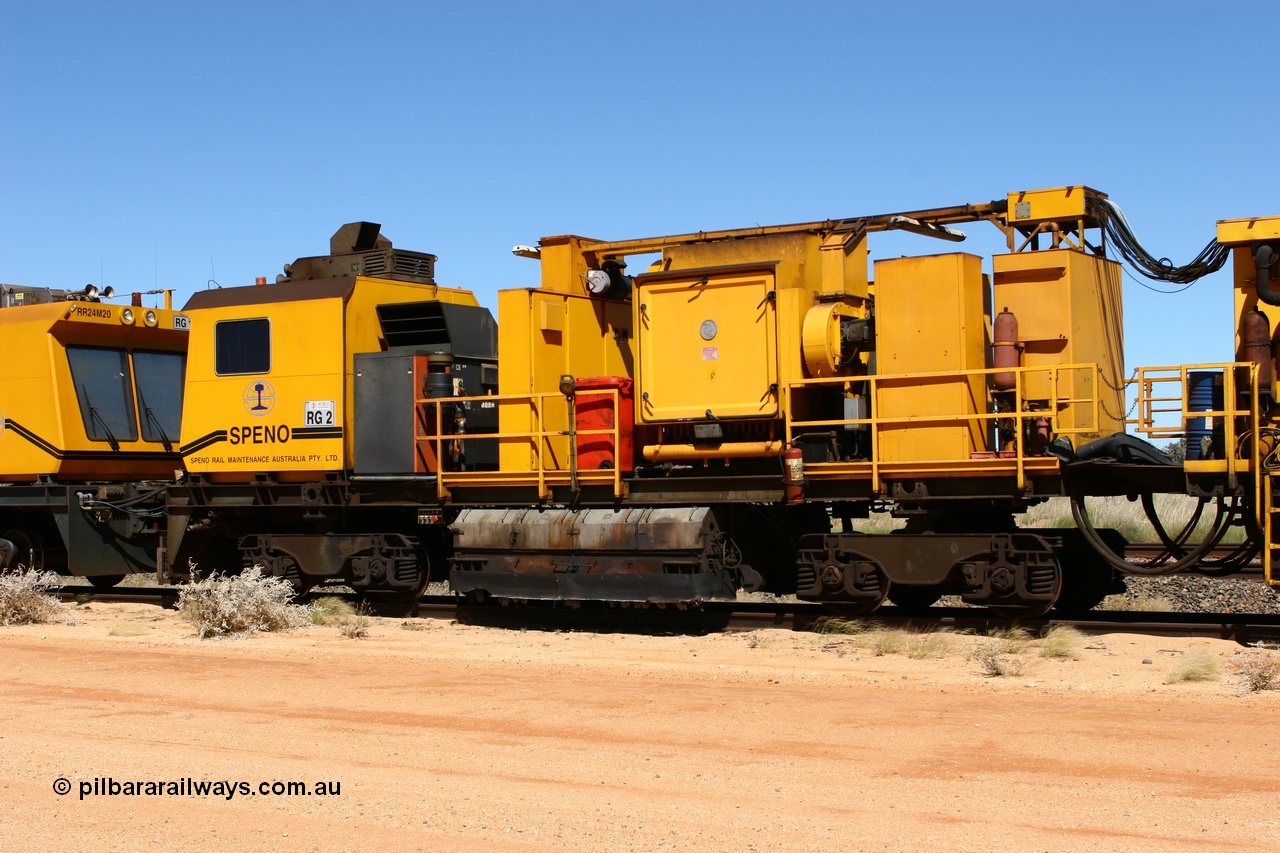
(94,416)
(150,416)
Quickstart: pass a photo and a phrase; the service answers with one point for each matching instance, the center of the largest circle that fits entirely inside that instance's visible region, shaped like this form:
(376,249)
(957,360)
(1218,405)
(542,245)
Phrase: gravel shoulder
(459,738)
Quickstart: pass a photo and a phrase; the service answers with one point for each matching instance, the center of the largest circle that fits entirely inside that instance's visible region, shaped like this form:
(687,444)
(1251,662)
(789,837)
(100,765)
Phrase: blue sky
(144,141)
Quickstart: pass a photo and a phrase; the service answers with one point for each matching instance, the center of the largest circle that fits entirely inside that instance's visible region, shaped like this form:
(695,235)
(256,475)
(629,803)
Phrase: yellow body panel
(233,429)
(42,427)
(542,335)
(708,347)
(564,267)
(1068,306)
(260,414)
(1058,203)
(1242,232)
(930,318)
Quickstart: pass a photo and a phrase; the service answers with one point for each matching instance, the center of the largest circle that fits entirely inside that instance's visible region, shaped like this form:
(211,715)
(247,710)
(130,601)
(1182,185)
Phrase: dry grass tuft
(1151,604)
(888,641)
(932,644)
(880,640)
(237,605)
(1061,641)
(990,654)
(1254,670)
(413,625)
(839,625)
(329,610)
(1138,603)
(357,626)
(1198,665)
(25,598)
(1010,641)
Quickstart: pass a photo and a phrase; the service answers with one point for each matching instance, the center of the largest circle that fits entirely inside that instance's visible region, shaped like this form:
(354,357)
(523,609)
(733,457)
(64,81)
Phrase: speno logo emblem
(259,398)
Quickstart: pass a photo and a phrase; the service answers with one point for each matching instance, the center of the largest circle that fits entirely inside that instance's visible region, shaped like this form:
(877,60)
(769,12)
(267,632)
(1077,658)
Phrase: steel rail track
(1146,551)
(726,616)
(718,616)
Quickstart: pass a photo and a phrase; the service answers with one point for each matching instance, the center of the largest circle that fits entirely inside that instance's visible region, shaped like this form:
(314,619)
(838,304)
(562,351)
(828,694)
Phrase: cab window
(103,388)
(159,377)
(242,347)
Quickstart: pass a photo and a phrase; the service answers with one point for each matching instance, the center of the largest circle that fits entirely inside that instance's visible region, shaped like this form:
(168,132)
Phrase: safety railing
(550,447)
(1053,408)
(1168,405)
(544,469)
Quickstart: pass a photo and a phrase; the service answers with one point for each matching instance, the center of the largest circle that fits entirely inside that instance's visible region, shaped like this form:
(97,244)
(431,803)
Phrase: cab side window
(242,347)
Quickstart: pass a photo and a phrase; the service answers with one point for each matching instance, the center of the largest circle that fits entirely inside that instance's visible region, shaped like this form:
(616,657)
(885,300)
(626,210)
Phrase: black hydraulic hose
(1081,515)
(1233,562)
(1243,554)
(1264,258)
(1172,545)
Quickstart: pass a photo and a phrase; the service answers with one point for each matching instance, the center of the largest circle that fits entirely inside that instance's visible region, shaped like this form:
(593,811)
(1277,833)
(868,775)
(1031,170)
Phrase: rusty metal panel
(531,530)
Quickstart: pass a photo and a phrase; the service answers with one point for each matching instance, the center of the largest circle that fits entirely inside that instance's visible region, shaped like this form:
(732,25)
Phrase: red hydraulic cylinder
(1004,333)
(1255,340)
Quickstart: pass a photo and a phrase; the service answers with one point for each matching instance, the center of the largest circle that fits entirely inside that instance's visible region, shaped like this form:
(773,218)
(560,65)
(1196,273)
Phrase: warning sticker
(710,353)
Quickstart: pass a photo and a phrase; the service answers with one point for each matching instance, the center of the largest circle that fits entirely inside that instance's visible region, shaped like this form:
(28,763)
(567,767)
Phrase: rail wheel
(1044,580)
(104,581)
(863,582)
(914,598)
(411,569)
(1087,578)
(399,596)
(1084,589)
(26,549)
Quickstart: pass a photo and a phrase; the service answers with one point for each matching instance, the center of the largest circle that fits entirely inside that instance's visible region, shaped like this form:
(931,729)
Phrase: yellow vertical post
(542,437)
(1019,424)
(1268,552)
(874,390)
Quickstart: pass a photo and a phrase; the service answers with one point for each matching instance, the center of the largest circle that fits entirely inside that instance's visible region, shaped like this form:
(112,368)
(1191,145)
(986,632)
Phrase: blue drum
(1205,434)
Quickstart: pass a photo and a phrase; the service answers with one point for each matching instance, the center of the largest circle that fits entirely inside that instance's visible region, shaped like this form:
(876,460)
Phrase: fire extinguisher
(793,475)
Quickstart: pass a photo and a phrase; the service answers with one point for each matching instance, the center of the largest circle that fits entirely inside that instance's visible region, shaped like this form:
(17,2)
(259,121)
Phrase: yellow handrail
(1168,379)
(875,423)
(540,440)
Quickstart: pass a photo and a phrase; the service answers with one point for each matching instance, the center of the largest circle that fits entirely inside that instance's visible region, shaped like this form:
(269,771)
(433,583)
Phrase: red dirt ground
(461,738)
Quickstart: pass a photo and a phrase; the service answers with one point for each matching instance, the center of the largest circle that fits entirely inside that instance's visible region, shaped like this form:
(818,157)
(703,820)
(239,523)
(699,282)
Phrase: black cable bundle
(1211,258)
